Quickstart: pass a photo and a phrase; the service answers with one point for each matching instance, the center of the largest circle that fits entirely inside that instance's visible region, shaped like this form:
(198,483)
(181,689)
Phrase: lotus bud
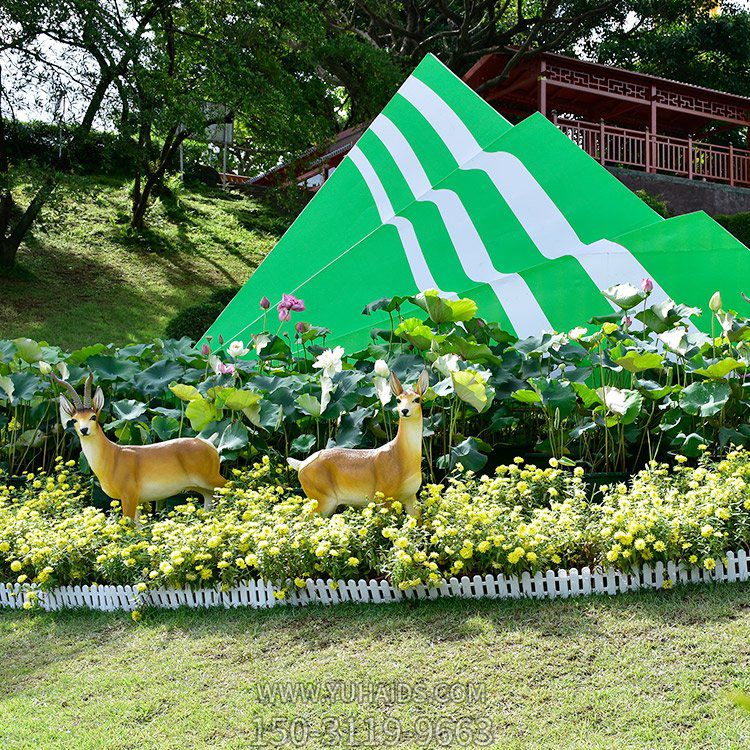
(381,368)
(265,303)
(300,327)
(715,302)
(647,285)
(221,340)
(45,367)
(205,350)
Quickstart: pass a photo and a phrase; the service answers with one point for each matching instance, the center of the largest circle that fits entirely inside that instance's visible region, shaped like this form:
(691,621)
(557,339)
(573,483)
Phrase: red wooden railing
(653,152)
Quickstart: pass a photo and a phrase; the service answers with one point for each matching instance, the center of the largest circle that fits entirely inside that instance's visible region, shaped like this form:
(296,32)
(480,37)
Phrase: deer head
(84,414)
(409,402)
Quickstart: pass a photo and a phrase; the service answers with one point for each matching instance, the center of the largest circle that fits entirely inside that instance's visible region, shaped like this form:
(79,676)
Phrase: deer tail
(294,463)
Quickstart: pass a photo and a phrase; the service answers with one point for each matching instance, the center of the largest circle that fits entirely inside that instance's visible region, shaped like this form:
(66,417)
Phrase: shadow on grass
(42,640)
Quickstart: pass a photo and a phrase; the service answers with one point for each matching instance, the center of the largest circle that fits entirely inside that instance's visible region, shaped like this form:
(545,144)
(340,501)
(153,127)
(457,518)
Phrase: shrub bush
(737,225)
(654,202)
(520,518)
(192,322)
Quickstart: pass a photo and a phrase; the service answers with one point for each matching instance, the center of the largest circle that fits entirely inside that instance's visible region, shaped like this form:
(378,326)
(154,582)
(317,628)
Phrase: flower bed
(521,520)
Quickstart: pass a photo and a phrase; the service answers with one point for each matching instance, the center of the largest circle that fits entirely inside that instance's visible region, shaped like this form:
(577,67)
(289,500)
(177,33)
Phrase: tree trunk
(155,178)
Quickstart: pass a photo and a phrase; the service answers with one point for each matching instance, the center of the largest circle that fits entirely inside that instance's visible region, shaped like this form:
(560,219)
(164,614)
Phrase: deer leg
(208,498)
(410,505)
(326,506)
(130,508)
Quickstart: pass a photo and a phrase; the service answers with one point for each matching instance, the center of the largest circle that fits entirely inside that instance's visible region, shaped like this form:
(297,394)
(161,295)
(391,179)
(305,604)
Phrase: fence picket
(731,567)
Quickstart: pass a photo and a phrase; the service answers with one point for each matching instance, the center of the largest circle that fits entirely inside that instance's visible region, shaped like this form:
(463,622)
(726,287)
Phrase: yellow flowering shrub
(522,517)
(679,513)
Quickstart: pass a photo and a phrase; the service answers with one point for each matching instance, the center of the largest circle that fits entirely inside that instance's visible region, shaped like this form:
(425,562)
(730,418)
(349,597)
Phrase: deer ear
(97,403)
(396,386)
(67,410)
(423,383)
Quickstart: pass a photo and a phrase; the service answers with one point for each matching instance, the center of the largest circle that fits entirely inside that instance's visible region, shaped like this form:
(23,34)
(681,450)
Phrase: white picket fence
(260,594)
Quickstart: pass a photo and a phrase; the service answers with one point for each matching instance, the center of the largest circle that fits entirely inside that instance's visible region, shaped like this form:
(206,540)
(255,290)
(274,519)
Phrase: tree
(695,42)
(460,32)
(287,78)
(79,46)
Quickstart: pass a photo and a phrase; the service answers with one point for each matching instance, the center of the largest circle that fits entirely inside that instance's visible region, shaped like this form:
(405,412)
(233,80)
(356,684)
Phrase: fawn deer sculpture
(135,474)
(352,476)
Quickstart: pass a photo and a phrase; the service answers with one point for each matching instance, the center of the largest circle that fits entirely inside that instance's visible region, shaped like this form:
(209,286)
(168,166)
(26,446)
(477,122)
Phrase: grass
(639,671)
(84,278)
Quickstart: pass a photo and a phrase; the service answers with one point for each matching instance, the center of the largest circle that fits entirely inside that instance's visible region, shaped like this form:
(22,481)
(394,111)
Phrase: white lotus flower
(383,389)
(237,349)
(45,367)
(261,341)
(577,333)
(614,399)
(329,362)
(447,364)
(326,387)
(381,368)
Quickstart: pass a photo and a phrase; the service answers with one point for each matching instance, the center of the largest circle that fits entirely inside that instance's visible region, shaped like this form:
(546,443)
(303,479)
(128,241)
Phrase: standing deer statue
(135,474)
(349,476)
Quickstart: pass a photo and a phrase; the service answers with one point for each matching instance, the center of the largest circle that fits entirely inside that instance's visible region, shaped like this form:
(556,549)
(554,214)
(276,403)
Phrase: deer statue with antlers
(351,476)
(135,474)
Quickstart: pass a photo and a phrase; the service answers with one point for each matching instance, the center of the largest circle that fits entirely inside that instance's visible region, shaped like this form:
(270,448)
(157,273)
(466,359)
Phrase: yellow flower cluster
(680,513)
(522,517)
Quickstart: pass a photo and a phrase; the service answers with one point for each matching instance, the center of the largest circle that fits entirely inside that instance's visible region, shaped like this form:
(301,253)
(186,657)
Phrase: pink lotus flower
(292,302)
(265,303)
(226,369)
(647,285)
(300,327)
(284,313)
(205,350)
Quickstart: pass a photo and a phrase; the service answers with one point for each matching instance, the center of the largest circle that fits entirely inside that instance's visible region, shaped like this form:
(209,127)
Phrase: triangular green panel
(441,192)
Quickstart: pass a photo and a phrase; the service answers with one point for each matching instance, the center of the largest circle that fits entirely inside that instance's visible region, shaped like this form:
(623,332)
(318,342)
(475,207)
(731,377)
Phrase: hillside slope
(85,279)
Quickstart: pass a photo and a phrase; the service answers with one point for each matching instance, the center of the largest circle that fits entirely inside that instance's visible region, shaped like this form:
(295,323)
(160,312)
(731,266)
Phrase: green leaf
(443,310)
(350,431)
(7,351)
(185,392)
(112,368)
(472,388)
(653,390)
(705,399)
(155,379)
(241,399)
(640,361)
(233,398)
(466,453)
(200,412)
(302,445)
(625,296)
(417,333)
(129,409)
(26,386)
(309,404)
(234,438)
(28,350)
(165,427)
(79,356)
(526,396)
(588,395)
(387,304)
(719,369)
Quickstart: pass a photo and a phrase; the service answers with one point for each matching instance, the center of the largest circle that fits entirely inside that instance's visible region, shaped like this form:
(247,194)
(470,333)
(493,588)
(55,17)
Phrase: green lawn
(638,671)
(84,279)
